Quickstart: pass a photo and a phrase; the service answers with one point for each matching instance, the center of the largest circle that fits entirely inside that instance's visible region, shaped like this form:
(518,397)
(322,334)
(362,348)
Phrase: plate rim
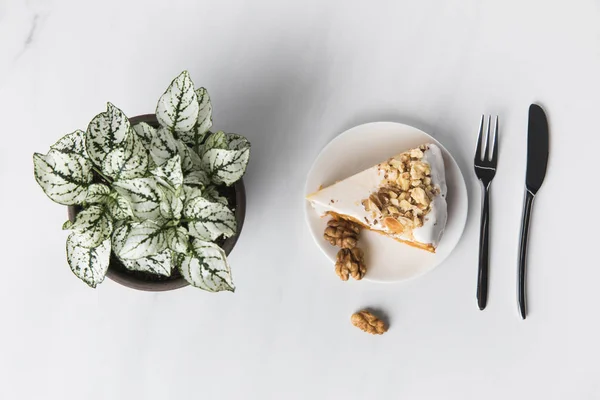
(331,143)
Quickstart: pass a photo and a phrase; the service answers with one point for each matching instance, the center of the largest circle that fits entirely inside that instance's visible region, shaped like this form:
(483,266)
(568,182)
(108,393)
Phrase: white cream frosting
(345,198)
(435,221)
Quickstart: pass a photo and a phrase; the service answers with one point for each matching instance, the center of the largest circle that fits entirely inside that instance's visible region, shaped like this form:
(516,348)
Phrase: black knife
(537,160)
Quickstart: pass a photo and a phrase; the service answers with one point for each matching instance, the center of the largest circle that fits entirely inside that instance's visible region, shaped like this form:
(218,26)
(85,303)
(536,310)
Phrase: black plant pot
(236,196)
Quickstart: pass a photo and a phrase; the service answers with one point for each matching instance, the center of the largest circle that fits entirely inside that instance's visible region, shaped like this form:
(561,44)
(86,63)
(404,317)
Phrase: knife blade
(537,148)
(537,163)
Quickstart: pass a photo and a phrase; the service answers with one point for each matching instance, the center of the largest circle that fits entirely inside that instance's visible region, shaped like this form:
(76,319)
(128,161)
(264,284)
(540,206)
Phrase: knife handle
(522,274)
(484,240)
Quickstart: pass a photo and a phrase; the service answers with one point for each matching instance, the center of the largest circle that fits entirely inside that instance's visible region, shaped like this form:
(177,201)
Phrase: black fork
(485,169)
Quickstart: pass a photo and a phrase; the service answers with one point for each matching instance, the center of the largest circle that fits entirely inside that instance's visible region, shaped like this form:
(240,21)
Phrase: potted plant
(156,202)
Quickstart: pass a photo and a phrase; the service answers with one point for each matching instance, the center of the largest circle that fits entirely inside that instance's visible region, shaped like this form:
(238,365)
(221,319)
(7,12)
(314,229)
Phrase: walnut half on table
(369,323)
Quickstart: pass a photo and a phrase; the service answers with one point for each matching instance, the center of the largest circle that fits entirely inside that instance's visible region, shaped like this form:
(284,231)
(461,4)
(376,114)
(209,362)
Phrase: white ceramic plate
(362,147)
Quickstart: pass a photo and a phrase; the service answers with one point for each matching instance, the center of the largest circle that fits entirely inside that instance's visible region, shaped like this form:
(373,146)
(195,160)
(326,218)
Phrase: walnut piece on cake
(405,195)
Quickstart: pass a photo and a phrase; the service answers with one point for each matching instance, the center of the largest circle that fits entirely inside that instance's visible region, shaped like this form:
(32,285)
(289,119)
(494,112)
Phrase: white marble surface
(290,75)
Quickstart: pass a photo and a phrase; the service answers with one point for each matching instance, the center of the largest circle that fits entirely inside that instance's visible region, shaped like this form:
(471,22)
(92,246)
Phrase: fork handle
(484,240)
(522,274)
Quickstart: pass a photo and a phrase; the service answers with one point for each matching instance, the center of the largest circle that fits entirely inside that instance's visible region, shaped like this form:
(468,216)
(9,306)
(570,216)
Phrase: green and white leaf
(97,193)
(163,146)
(119,207)
(204,123)
(64,177)
(190,160)
(226,166)
(119,237)
(170,171)
(128,161)
(106,132)
(211,193)
(161,263)
(72,143)
(93,224)
(88,264)
(204,112)
(177,109)
(142,239)
(158,264)
(145,132)
(237,142)
(197,178)
(171,205)
(218,140)
(177,239)
(143,194)
(206,267)
(191,192)
(208,220)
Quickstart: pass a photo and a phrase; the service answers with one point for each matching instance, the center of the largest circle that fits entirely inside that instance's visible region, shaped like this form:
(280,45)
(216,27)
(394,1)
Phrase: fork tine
(488,140)
(494,158)
(479,139)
